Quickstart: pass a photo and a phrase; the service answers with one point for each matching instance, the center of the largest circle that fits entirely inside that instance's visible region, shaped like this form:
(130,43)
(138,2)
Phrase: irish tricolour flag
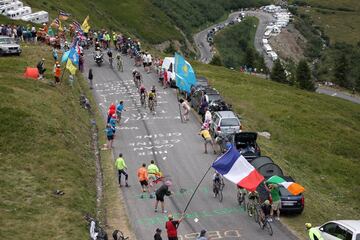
(234,167)
(293,188)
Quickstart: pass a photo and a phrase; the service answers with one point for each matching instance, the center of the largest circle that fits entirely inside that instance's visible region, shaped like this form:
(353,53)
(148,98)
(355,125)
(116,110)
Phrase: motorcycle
(99,58)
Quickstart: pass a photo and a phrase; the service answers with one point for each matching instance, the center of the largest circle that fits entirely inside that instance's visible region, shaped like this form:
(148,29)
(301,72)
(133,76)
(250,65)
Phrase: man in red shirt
(171,227)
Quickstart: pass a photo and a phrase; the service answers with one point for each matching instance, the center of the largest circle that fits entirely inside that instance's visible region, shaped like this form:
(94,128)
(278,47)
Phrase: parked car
(224,123)
(289,203)
(210,94)
(340,229)
(245,143)
(8,46)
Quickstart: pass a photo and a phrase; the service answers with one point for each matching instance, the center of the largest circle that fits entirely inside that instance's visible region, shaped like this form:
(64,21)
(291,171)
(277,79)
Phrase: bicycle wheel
(220,195)
(268,227)
(250,209)
(256,215)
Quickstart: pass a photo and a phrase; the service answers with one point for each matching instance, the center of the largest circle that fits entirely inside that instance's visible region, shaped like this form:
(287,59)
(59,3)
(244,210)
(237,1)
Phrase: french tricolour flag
(234,167)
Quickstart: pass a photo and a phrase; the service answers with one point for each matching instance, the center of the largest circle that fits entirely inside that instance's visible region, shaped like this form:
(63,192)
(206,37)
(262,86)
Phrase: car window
(5,41)
(338,231)
(284,192)
(213,97)
(229,122)
(357,237)
(216,119)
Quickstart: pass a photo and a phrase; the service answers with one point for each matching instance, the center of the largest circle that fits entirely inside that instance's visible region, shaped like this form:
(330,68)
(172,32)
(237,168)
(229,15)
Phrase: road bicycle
(111,62)
(142,100)
(240,196)
(120,65)
(252,209)
(151,106)
(265,224)
(218,190)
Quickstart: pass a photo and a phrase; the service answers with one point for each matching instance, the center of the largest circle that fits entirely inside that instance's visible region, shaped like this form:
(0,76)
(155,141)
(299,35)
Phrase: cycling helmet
(308,225)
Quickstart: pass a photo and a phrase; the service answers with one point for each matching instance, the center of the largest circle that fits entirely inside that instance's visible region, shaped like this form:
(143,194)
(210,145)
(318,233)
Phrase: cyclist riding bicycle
(265,211)
(241,192)
(218,181)
(254,196)
(119,62)
(143,94)
(110,55)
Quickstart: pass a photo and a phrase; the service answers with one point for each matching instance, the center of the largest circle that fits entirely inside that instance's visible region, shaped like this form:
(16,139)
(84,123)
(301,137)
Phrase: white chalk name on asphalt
(155,144)
(228,234)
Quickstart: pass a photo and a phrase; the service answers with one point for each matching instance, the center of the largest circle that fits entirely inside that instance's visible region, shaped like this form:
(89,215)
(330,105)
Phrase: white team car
(339,230)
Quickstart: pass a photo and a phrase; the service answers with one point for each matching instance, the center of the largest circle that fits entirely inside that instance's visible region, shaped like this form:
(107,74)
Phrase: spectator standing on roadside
(153,172)
(204,132)
(121,167)
(274,191)
(143,179)
(41,68)
(202,235)
(57,72)
(171,227)
(110,135)
(185,109)
(160,194)
(90,77)
(157,235)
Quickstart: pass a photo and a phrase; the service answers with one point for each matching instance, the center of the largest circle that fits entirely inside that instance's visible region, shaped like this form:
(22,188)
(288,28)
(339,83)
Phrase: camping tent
(31,73)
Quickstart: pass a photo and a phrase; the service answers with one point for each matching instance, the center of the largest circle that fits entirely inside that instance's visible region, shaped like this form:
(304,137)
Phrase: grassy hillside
(314,138)
(138,17)
(44,146)
(340,20)
(332,29)
(235,45)
(191,15)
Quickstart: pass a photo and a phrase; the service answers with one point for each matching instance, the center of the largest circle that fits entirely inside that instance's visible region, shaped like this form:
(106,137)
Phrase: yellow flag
(70,66)
(85,26)
(60,27)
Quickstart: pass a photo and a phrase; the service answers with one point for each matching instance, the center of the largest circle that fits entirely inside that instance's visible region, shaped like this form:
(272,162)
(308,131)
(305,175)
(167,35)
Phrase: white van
(6,2)
(273,55)
(37,17)
(17,14)
(4,9)
(267,33)
(267,48)
(169,66)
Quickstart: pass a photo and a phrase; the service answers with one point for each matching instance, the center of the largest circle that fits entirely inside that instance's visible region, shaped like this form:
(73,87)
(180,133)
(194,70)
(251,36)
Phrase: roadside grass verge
(113,208)
(44,146)
(136,17)
(314,138)
(235,45)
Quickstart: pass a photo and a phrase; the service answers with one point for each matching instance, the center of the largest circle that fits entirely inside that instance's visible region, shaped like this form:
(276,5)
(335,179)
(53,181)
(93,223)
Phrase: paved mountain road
(178,151)
(264,19)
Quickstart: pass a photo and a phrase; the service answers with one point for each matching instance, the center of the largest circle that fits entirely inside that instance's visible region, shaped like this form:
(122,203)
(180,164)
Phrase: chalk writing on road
(158,135)
(222,234)
(161,219)
(181,192)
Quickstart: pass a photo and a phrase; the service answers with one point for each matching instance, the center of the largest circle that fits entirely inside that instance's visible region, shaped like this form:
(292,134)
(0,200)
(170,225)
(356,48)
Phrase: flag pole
(187,205)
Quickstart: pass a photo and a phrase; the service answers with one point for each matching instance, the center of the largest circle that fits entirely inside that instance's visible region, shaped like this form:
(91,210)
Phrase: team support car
(209,94)
(8,46)
(291,204)
(224,123)
(335,230)
(245,143)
